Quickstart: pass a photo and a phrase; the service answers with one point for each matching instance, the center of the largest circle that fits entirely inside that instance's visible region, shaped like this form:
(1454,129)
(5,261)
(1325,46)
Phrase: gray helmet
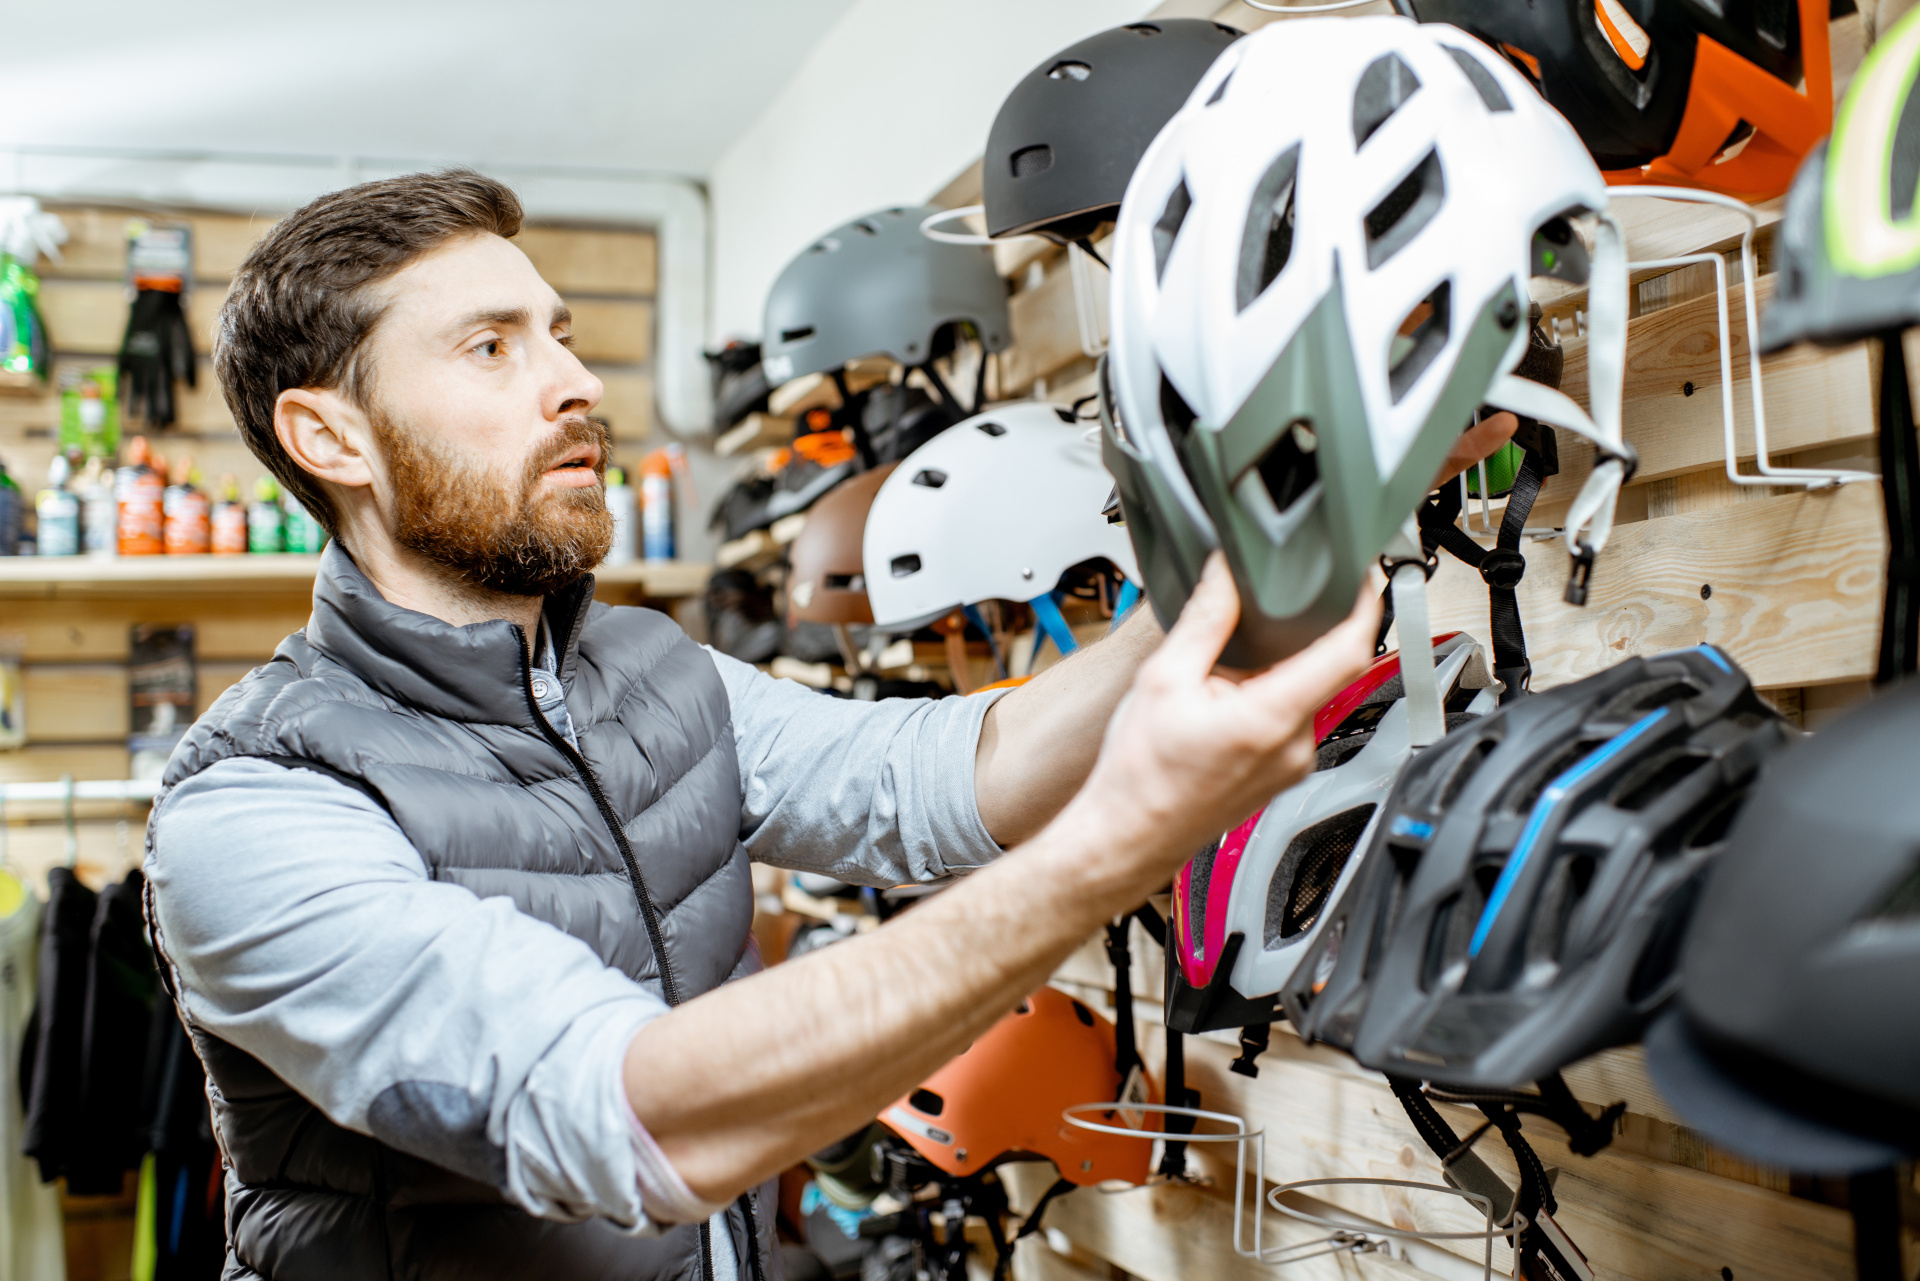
(876,286)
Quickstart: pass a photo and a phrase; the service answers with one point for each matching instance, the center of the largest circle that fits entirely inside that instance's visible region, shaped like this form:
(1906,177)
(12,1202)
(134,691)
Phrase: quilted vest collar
(474,673)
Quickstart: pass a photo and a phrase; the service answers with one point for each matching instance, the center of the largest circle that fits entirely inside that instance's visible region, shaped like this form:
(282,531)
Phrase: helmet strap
(1900,489)
(1408,566)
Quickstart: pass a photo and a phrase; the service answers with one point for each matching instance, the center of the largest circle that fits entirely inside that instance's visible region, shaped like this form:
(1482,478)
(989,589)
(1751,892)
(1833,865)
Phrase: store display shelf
(65,577)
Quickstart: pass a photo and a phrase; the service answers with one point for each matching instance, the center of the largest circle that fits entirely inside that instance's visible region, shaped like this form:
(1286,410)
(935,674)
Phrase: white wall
(890,106)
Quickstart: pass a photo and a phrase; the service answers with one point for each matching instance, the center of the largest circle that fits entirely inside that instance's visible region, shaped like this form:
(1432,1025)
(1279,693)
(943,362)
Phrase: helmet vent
(1338,751)
(1905,164)
(1481,79)
(1268,242)
(1408,208)
(1644,696)
(1464,770)
(1421,339)
(931,477)
(1627,38)
(1451,933)
(1655,778)
(1199,877)
(1772,19)
(1290,466)
(846,582)
(796,335)
(1143,28)
(1082,1013)
(1560,897)
(1175,412)
(1029,161)
(905,566)
(1522,798)
(1309,870)
(1384,88)
(1168,226)
(866,228)
(992,429)
(1068,69)
(1220,90)
(927,1101)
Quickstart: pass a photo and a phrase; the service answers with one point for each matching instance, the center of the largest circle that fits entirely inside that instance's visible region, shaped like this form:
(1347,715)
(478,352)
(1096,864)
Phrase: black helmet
(1677,82)
(1524,896)
(739,384)
(1796,1039)
(1069,135)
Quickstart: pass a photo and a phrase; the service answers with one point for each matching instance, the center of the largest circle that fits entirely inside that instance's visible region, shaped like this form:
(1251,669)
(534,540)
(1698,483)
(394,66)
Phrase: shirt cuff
(664,1195)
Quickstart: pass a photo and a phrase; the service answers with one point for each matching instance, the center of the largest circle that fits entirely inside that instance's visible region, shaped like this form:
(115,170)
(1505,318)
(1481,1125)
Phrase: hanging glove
(156,351)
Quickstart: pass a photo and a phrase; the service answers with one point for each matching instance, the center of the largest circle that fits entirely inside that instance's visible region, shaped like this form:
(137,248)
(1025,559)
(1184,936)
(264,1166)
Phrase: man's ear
(325,434)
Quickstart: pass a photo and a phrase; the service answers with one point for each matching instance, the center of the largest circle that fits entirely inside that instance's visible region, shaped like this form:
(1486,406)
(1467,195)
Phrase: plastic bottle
(99,513)
(266,523)
(304,533)
(229,520)
(59,509)
(10,514)
(656,506)
(141,494)
(621,505)
(189,530)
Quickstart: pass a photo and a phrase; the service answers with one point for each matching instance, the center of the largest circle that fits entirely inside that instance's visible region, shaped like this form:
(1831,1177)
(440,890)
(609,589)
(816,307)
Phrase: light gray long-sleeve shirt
(307,932)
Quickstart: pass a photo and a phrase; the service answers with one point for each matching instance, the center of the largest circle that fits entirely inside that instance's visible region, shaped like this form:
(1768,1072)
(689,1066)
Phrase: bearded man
(453,893)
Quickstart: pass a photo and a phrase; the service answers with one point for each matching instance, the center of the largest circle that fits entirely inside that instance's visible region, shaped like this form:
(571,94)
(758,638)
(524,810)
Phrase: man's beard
(493,528)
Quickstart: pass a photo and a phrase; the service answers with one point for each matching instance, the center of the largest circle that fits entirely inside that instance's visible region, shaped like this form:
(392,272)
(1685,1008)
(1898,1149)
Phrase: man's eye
(491,347)
(564,339)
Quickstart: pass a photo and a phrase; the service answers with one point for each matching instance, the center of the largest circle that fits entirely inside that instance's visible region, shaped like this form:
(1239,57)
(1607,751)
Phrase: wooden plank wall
(1788,582)
(76,646)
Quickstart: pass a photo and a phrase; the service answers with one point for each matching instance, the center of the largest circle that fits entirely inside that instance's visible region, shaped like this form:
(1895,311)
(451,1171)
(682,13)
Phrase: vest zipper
(669,987)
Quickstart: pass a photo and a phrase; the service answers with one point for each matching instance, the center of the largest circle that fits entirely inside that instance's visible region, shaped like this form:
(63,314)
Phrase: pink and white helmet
(1246,910)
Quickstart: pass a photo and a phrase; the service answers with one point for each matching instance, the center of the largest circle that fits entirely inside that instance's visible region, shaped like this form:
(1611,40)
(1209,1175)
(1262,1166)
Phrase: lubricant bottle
(266,523)
(656,506)
(59,509)
(141,494)
(189,530)
(621,506)
(99,512)
(229,522)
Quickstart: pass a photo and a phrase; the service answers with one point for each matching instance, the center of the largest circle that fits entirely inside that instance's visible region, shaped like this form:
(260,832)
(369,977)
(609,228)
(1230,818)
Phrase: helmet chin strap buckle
(1578,574)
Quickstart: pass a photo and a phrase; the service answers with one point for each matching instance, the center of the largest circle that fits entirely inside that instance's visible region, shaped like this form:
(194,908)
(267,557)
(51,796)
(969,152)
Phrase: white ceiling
(645,84)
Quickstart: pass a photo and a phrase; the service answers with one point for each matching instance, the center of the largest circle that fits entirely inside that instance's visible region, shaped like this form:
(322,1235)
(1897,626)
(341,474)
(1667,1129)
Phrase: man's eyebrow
(562,315)
(491,318)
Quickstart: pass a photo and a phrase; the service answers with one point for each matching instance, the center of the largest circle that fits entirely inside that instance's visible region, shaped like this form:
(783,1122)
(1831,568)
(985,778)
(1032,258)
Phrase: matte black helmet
(1796,1039)
(1525,894)
(1069,135)
(1675,84)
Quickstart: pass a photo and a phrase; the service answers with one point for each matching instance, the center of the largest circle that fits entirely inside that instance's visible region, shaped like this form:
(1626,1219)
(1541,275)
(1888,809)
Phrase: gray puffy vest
(630,844)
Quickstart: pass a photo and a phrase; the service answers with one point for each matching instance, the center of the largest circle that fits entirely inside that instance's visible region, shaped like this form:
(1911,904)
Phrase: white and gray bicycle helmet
(1320,272)
(995,508)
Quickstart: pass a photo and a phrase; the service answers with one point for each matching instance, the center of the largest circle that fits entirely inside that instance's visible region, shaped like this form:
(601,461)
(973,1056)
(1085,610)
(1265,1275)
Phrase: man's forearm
(1039,742)
(864,1020)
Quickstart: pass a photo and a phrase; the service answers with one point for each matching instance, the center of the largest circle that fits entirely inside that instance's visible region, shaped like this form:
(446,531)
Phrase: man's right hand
(1194,749)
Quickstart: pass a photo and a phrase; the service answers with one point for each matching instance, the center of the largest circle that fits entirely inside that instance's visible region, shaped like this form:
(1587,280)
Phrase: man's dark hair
(303,303)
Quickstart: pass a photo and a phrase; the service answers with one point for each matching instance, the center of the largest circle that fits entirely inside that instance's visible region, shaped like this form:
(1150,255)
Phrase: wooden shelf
(69,577)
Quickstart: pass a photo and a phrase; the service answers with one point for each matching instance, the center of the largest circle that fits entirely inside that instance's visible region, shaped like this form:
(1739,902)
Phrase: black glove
(156,351)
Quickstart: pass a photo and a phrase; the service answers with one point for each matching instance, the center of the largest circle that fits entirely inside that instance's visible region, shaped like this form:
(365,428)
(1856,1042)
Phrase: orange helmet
(1674,92)
(1006,1092)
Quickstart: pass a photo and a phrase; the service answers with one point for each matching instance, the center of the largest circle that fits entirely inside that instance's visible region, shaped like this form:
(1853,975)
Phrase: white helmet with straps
(994,508)
(1320,272)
